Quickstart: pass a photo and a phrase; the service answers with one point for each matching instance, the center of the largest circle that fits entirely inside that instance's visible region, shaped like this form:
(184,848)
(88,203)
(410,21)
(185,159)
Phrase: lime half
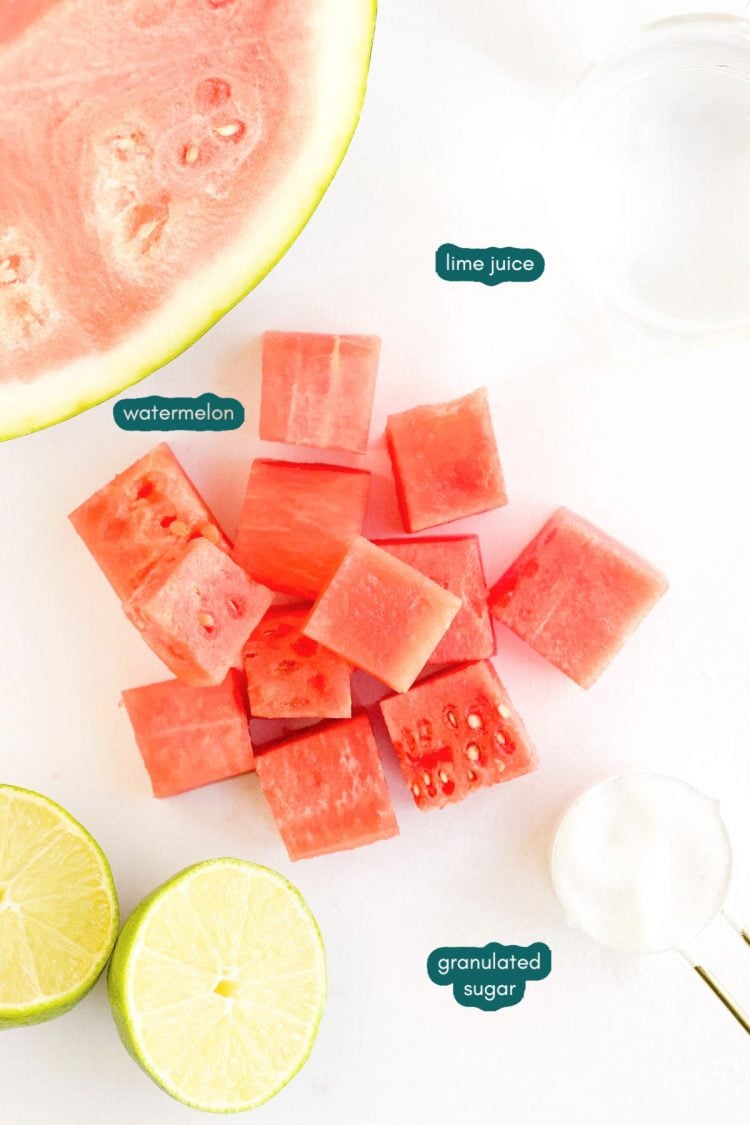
(217,984)
(58,909)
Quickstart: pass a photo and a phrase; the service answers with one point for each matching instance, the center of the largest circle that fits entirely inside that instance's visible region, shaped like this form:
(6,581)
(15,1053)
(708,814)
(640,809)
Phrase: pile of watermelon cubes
(272,626)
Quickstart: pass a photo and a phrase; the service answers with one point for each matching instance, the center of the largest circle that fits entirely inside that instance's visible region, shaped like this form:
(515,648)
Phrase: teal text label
(491,265)
(490,977)
(206,412)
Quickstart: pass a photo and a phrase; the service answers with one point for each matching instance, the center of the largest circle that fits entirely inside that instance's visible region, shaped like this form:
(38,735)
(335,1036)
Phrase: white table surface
(656,452)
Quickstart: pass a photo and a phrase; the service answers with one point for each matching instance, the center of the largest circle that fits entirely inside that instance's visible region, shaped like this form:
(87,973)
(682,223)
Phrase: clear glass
(650,182)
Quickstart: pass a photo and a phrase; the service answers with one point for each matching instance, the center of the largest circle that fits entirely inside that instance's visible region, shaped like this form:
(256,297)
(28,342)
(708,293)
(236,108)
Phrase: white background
(656,452)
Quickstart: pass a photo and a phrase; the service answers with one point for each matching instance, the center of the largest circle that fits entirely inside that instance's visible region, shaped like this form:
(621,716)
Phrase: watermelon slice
(195,609)
(575,595)
(190,736)
(455,563)
(318,390)
(290,676)
(297,522)
(456,733)
(445,461)
(381,615)
(159,156)
(327,790)
(143,513)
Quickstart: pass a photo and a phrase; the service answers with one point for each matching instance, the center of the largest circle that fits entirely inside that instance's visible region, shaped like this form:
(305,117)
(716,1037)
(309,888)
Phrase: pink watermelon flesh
(318,389)
(190,736)
(293,677)
(327,790)
(141,515)
(297,522)
(445,461)
(136,138)
(455,563)
(575,595)
(456,733)
(195,609)
(381,615)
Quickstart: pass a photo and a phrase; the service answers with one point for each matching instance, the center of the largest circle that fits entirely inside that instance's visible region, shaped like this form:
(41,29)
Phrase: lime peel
(58,909)
(217,984)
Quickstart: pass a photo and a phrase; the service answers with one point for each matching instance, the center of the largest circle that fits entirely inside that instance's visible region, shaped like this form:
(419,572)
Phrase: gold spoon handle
(738,929)
(730,1004)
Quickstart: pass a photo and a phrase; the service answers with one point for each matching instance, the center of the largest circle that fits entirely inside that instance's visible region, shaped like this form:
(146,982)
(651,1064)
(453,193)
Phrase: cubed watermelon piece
(195,609)
(327,789)
(445,461)
(297,522)
(190,736)
(381,615)
(318,389)
(143,513)
(455,563)
(290,676)
(575,595)
(455,733)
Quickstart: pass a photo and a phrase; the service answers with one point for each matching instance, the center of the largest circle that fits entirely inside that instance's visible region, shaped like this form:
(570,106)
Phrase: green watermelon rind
(17,420)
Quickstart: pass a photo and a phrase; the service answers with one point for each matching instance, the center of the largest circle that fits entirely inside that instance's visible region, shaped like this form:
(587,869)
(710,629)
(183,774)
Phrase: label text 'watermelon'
(206,412)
